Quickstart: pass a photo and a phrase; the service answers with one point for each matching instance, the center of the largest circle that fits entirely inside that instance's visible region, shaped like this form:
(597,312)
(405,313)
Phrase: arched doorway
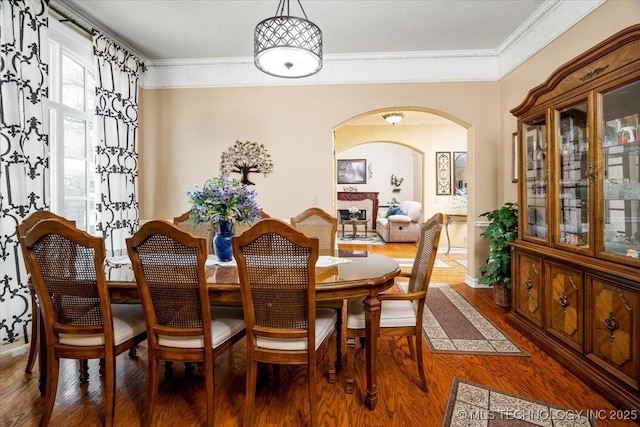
(423,132)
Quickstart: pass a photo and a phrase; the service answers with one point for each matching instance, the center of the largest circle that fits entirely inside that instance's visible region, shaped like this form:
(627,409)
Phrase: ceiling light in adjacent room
(393,118)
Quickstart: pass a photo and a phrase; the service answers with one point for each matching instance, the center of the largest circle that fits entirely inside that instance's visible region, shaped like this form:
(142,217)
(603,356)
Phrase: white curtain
(24,148)
(117,75)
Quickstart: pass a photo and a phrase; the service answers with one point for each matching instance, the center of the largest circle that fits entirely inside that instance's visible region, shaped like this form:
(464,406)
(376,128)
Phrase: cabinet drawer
(527,286)
(613,326)
(564,304)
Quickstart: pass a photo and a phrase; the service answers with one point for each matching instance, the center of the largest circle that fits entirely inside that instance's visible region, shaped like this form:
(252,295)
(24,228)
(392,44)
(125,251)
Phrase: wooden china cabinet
(576,266)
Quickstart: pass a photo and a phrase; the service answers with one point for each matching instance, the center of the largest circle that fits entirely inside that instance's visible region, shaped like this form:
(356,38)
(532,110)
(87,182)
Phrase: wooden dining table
(358,274)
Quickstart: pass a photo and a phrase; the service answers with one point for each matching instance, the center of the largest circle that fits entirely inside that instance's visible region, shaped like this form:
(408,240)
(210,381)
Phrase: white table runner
(212,260)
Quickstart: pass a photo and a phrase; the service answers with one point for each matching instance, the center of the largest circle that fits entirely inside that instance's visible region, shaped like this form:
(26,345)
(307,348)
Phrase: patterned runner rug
(452,325)
(475,405)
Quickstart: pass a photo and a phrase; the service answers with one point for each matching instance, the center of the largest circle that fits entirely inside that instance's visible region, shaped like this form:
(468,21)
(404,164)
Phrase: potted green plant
(496,272)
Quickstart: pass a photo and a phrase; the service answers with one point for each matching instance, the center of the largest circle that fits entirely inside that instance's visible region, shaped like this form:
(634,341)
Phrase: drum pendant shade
(288,46)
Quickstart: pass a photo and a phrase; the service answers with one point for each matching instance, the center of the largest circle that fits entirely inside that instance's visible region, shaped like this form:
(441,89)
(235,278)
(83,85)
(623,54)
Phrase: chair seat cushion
(325,324)
(128,322)
(225,323)
(393,313)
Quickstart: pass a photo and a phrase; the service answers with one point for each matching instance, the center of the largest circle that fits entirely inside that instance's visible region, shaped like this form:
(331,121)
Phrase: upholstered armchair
(403,226)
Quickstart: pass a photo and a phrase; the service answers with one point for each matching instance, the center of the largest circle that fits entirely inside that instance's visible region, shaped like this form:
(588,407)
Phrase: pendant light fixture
(288,46)
(393,118)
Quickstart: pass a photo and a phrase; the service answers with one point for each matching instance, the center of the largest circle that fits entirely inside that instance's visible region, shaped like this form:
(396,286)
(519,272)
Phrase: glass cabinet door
(575,175)
(621,166)
(534,142)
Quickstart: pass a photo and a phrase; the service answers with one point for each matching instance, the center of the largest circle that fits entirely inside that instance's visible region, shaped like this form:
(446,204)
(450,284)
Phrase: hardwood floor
(281,398)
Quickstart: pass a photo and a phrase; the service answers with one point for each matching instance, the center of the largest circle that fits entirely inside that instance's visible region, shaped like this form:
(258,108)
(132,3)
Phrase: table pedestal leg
(372,325)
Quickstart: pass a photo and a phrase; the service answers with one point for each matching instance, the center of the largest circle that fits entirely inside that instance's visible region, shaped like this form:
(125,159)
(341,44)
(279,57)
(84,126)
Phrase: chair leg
(188,369)
(53,370)
(83,369)
(332,357)
(313,393)
(423,378)
(210,389)
(133,352)
(250,393)
(351,349)
(109,388)
(35,334)
(412,350)
(341,315)
(168,369)
(152,386)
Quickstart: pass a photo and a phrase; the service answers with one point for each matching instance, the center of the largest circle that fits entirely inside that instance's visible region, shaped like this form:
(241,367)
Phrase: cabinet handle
(610,323)
(564,302)
(528,285)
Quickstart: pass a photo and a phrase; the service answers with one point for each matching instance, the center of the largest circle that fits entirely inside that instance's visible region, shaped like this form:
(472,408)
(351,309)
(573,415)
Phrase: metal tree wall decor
(244,158)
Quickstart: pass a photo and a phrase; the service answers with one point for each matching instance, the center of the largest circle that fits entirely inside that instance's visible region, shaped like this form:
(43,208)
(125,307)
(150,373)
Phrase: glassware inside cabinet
(621,163)
(575,176)
(537,178)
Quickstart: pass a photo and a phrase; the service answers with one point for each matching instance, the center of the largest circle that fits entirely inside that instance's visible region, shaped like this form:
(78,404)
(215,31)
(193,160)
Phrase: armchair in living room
(401,223)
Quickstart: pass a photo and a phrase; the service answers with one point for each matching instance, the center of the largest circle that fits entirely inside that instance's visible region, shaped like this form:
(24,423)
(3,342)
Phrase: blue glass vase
(222,241)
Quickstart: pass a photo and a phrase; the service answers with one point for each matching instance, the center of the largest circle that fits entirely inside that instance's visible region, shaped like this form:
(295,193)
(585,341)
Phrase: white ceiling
(196,29)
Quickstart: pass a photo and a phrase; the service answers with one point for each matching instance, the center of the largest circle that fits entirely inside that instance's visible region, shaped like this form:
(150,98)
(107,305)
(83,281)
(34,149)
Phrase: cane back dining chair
(401,313)
(276,267)
(182,326)
(21,230)
(315,222)
(186,223)
(67,271)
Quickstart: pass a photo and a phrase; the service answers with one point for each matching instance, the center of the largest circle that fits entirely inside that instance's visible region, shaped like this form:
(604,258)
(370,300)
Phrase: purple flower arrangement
(222,199)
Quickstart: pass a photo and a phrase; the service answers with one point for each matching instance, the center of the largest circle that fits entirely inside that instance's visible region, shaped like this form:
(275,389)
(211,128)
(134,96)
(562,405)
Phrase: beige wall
(605,21)
(184,131)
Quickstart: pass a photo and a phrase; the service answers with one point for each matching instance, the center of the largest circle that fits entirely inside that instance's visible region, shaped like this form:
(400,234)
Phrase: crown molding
(337,69)
(552,18)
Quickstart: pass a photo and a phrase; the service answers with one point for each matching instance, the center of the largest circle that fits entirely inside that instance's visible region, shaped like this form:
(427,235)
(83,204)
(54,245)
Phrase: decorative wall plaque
(443,173)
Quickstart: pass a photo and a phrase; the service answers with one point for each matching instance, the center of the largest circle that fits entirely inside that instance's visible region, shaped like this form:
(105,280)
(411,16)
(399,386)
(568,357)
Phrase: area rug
(472,405)
(361,239)
(408,263)
(453,325)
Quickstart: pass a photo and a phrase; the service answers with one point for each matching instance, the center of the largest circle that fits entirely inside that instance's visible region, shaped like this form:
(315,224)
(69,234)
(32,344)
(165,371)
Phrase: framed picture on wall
(443,173)
(352,171)
(459,171)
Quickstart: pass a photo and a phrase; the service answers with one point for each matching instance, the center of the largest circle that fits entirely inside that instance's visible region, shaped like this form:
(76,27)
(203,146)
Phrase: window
(71,108)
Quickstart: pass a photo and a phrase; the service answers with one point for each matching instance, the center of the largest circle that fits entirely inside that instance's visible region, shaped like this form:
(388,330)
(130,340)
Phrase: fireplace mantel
(355,196)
